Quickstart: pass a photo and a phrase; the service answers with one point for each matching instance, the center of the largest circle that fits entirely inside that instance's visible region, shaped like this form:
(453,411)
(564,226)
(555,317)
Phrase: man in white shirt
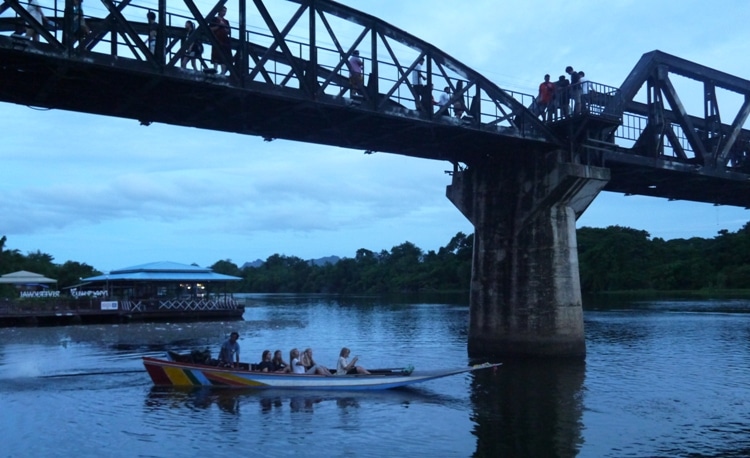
(444,99)
(585,88)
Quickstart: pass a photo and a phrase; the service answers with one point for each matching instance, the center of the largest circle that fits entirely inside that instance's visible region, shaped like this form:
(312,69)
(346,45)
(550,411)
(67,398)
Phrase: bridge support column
(525,287)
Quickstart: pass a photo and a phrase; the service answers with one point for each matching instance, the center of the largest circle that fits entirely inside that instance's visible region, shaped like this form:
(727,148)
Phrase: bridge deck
(299,90)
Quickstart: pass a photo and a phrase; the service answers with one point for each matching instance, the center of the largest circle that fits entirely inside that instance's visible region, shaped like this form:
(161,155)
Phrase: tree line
(610,259)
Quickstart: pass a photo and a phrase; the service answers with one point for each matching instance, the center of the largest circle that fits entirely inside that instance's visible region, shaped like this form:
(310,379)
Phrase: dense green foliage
(406,268)
(610,259)
(621,259)
(66,274)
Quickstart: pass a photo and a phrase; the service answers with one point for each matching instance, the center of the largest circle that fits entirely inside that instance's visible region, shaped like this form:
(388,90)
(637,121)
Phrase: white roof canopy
(24,277)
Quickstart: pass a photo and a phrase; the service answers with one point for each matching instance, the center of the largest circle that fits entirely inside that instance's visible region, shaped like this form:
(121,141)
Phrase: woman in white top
(344,366)
(297,366)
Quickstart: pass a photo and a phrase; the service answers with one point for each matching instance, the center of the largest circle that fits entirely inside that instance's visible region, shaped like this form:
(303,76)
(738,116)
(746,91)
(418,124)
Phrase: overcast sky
(111,193)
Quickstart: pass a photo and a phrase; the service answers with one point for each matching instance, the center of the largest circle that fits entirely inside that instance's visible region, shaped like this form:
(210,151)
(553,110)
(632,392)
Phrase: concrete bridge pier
(525,287)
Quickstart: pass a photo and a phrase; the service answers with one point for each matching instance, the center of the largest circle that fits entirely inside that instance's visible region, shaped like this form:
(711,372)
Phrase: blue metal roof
(163,271)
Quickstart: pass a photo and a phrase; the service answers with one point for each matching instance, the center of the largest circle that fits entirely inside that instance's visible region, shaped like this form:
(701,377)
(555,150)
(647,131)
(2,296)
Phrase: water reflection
(232,400)
(529,408)
(193,398)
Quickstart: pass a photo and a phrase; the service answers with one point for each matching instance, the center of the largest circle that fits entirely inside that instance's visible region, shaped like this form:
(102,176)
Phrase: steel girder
(677,154)
(712,143)
(301,52)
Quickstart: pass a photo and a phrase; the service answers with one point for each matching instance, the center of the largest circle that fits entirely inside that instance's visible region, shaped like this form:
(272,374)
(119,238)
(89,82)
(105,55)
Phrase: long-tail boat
(171,372)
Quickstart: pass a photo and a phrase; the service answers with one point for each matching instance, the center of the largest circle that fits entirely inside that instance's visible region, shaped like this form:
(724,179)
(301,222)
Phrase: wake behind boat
(181,373)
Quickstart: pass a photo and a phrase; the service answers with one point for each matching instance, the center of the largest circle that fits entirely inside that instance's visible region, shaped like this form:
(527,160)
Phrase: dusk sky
(111,193)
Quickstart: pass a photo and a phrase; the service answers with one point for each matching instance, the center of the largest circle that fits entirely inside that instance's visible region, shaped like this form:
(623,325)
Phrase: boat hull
(173,373)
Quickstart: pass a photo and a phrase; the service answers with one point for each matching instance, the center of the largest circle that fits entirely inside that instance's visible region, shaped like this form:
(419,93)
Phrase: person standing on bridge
(459,107)
(192,51)
(562,96)
(445,97)
(356,73)
(223,34)
(575,88)
(546,99)
(36,12)
(585,86)
(153,28)
(416,80)
(79,28)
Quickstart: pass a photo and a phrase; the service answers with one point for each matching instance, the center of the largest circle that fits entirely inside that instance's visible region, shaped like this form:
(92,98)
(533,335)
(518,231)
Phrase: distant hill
(324,261)
(315,262)
(256,263)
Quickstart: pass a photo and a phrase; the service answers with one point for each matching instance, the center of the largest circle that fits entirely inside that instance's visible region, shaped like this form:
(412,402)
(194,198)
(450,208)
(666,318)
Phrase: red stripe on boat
(158,375)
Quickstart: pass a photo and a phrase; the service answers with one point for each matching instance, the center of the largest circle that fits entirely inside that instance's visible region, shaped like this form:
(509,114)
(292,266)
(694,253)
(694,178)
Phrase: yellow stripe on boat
(231,379)
(177,376)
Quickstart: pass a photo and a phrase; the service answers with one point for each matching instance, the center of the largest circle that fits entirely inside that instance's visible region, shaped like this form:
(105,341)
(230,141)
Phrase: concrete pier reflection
(529,409)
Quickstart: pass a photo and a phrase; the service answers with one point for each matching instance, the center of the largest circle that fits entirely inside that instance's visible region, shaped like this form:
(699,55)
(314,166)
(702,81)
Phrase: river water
(662,378)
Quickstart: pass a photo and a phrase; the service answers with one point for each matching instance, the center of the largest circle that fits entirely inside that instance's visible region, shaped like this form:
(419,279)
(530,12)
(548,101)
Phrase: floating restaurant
(159,291)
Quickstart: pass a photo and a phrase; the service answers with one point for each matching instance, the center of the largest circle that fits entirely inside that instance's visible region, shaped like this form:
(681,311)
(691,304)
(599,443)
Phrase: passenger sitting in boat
(310,364)
(229,355)
(298,366)
(344,366)
(265,364)
(278,363)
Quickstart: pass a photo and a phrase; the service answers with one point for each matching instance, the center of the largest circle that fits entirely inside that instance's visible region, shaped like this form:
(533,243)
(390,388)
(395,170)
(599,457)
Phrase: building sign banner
(109,305)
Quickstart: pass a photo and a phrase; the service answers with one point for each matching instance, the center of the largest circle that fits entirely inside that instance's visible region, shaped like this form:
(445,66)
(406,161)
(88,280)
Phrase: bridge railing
(268,55)
(630,135)
(596,98)
(633,126)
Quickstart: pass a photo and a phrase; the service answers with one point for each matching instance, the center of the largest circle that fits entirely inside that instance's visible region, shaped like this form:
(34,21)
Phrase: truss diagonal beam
(345,55)
(734,132)
(31,21)
(684,120)
(280,41)
(110,24)
(127,29)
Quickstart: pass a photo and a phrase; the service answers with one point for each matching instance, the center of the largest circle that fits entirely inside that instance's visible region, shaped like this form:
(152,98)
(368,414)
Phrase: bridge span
(522,182)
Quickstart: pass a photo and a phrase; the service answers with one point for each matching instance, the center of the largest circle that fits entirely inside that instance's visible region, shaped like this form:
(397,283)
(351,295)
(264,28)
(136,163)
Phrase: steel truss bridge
(288,78)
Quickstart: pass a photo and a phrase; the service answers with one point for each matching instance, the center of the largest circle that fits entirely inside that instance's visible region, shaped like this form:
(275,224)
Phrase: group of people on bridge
(554,99)
(423,91)
(301,363)
(79,31)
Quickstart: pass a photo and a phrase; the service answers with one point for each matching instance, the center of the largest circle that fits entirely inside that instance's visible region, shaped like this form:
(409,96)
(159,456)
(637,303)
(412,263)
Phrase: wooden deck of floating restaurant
(64,311)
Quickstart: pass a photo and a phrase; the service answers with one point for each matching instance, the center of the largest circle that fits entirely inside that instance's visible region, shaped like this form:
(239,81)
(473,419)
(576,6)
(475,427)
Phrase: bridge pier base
(525,287)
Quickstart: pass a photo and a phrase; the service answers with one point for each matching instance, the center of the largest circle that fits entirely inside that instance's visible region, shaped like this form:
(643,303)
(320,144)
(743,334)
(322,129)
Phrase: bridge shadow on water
(531,408)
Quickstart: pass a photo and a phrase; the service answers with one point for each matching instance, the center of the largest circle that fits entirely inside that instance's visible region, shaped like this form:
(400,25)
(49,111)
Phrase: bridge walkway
(288,78)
